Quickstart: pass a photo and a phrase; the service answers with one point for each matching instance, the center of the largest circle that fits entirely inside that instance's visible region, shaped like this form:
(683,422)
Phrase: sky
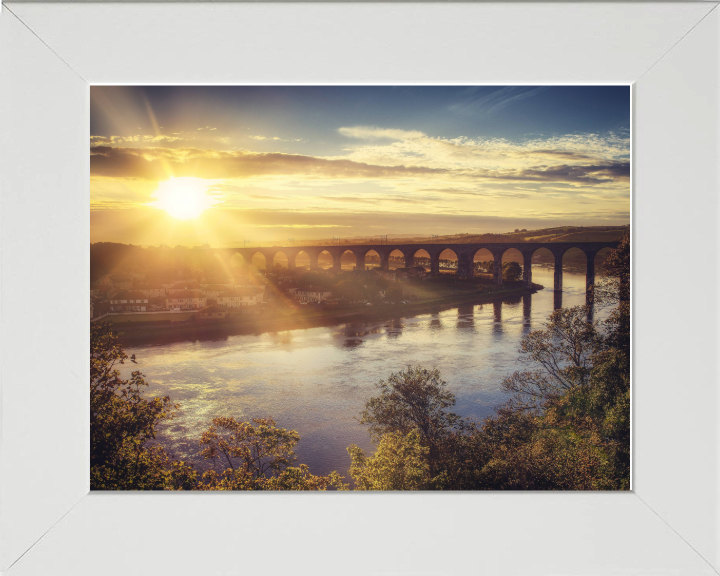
(191,165)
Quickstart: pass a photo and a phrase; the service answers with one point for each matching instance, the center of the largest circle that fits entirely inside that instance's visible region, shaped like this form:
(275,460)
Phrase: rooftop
(186,294)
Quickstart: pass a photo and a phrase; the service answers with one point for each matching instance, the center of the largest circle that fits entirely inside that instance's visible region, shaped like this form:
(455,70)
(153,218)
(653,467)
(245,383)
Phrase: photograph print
(360,287)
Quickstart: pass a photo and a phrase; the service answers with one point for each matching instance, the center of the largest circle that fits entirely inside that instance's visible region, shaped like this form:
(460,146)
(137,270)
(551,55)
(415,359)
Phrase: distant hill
(559,234)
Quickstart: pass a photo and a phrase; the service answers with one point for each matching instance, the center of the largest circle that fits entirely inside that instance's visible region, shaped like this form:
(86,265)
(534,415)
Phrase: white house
(213,290)
(241,297)
(134,301)
(185,300)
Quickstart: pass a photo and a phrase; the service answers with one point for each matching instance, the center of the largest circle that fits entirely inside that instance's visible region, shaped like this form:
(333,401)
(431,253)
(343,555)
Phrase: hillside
(560,234)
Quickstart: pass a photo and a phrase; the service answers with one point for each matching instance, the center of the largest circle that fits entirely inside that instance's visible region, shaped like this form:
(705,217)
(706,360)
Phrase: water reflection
(497,311)
(527,308)
(316,380)
(466,320)
(394,328)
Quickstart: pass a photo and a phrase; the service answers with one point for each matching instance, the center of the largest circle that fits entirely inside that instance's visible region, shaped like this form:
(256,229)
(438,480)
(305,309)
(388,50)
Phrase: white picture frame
(49,522)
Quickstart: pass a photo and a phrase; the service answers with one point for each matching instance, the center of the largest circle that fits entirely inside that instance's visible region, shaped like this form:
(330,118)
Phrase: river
(317,380)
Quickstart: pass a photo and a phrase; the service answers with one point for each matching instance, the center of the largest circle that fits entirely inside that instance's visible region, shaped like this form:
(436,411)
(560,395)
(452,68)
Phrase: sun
(183,198)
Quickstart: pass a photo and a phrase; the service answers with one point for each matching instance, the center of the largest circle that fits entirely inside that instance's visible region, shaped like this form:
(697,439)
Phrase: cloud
(261,197)
(276,138)
(139,138)
(414,199)
(162,163)
(373,133)
(590,174)
(573,159)
(299,226)
(489,102)
(453,192)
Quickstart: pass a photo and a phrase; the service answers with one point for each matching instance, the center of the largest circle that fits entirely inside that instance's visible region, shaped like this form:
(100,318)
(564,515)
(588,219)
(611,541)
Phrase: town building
(313,294)
(153,290)
(240,297)
(213,290)
(128,301)
(185,300)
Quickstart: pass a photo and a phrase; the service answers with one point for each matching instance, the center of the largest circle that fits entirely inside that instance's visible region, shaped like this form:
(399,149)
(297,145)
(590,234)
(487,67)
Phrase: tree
(257,455)
(413,399)
(258,447)
(511,271)
(315,279)
(560,357)
(485,266)
(614,286)
(349,290)
(122,422)
(399,463)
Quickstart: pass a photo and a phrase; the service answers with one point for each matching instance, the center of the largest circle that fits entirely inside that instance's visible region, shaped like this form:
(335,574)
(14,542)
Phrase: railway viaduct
(465,256)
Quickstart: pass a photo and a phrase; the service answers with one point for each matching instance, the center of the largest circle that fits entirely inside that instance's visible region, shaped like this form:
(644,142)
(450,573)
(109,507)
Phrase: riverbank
(144,333)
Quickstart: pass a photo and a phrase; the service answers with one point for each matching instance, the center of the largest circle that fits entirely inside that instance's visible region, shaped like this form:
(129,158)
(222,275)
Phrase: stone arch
(512,254)
(348,260)
(595,262)
(302,260)
(325,260)
(574,258)
(259,261)
(542,255)
(483,262)
(237,260)
(396,259)
(371,258)
(600,257)
(280,260)
(420,257)
(448,261)
(551,257)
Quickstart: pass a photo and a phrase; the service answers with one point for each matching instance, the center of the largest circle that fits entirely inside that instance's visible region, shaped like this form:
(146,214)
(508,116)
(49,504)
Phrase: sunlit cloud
(114,140)
(300,226)
(148,163)
(372,133)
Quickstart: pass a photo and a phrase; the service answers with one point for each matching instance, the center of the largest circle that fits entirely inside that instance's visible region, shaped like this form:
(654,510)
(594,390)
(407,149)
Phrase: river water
(317,380)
